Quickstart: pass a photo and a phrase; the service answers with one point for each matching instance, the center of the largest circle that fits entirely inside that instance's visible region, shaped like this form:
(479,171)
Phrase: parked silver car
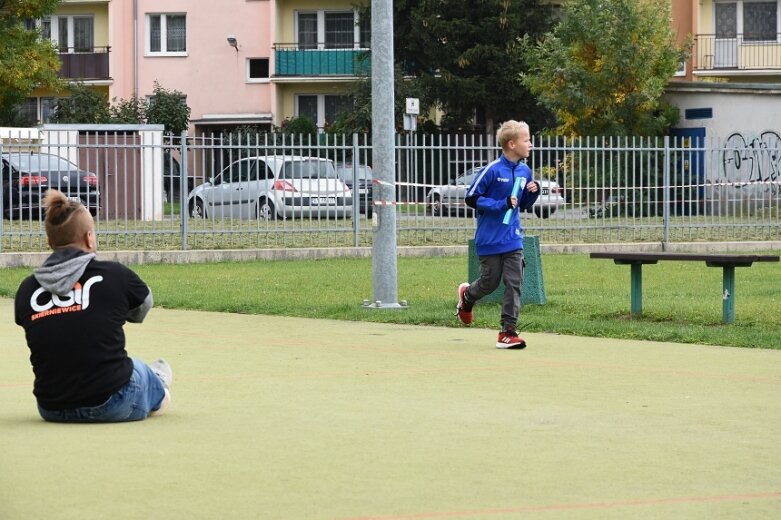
(449,198)
(271,187)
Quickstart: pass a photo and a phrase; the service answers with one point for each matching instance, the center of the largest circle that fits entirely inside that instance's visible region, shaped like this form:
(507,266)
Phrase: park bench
(726,261)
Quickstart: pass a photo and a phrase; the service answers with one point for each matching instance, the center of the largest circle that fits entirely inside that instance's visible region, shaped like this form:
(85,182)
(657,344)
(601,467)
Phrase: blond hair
(509,131)
(64,222)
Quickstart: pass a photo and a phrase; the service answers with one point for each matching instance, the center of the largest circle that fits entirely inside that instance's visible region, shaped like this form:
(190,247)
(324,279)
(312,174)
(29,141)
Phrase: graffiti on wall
(753,162)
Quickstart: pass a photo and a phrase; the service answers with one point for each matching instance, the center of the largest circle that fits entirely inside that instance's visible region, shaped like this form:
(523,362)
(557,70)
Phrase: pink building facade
(219,54)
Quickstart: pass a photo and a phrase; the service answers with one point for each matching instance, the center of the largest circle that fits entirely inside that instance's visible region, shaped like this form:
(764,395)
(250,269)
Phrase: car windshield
(41,163)
(364,173)
(307,169)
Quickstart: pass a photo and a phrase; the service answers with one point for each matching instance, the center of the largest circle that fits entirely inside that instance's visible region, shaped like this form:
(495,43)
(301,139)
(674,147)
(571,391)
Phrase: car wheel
(197,209)
(436,206)
(265,210)
(543,212)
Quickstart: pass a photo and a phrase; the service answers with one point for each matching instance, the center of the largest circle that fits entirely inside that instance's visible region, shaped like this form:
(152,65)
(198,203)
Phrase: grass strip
(681,302)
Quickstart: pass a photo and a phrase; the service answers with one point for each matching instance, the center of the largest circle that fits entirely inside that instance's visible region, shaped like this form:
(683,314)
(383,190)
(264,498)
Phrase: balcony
(91,65)
(737,54)
(293,61)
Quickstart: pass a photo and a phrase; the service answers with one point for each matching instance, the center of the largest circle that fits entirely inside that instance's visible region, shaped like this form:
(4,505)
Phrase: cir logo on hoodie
(75,300)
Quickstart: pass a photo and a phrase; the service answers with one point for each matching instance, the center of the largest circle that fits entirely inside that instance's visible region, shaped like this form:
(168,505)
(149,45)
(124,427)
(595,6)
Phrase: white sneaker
(162,369)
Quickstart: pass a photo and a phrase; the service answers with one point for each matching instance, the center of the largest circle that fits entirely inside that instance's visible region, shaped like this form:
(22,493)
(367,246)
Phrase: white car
(271,187)
(449,198)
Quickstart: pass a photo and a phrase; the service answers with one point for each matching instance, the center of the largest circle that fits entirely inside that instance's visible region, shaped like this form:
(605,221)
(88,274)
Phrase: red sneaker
(465,315)
(509,339)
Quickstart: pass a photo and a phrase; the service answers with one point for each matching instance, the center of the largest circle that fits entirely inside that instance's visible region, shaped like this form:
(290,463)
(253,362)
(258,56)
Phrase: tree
(300,125)
(359,120)
(128,111)
(27,61)
(466,55)
(84,105)
(168,108)
(604,67)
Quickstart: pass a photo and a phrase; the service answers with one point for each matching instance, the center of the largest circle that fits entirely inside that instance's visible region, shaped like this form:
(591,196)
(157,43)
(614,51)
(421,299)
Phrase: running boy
(500,246)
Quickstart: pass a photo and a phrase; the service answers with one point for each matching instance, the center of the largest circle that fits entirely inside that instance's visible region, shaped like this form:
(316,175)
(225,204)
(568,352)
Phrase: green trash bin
(533,290)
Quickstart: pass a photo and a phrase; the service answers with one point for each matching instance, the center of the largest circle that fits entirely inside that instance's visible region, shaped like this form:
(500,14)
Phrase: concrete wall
(744,108)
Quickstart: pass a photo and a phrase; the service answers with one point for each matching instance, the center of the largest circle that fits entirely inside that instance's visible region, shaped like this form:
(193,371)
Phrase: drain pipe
(135,48)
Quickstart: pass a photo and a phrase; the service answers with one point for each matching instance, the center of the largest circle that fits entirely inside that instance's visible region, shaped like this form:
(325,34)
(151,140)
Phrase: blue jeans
(133,402)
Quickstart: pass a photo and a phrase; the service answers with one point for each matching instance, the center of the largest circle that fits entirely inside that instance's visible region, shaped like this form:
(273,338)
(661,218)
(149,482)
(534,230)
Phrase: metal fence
(596,190)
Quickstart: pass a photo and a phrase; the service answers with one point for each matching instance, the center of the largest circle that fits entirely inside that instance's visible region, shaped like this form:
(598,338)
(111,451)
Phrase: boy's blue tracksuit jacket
(489,194)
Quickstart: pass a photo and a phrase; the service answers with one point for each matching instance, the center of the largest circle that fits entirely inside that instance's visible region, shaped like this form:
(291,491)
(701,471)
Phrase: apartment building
(238,62)
(732,81)
(261,62)
(735,41)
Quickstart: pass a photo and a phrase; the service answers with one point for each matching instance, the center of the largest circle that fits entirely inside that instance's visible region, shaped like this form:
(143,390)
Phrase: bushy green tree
(168,108)
(128,111)
(84,105)
(603,69)
(27,61)
(300,125)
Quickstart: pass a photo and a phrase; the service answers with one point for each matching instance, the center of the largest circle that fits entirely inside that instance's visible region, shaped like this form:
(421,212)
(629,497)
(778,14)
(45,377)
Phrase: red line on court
(566,507)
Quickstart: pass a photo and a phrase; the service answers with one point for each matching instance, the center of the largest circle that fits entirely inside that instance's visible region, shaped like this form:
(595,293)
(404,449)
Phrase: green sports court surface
(288,418)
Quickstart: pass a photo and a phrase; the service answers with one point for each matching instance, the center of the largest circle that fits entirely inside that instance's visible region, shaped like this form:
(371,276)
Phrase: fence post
(666,194)
(2,209)
(184,175)
(357,192)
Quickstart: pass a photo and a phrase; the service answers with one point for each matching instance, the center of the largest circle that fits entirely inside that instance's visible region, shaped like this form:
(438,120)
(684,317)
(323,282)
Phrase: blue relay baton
(520,184)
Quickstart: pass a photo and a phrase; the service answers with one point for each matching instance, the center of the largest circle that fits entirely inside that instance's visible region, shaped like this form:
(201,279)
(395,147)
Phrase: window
(323,109)
(27,112)
(257,69)
(70,33)
(335,105)
(366,32)
(339,30)
(307,30)
(83,33)
(331,30)
(759,21)
(754,20)
(166,34)
(48,106)
(307,107)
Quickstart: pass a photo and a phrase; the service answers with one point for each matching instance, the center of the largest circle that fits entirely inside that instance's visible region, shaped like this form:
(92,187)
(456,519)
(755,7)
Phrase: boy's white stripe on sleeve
(482,173)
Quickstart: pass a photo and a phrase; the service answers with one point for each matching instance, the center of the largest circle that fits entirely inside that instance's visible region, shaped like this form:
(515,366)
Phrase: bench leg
(637,289)
(728,296)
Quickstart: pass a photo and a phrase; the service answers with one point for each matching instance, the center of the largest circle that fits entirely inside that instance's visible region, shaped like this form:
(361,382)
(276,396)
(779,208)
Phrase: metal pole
(385,281)
(666,194)
(184,183)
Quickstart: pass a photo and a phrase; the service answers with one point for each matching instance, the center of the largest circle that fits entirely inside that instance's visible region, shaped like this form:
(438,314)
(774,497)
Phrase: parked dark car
(172,179)
(27,176)
(362,188)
